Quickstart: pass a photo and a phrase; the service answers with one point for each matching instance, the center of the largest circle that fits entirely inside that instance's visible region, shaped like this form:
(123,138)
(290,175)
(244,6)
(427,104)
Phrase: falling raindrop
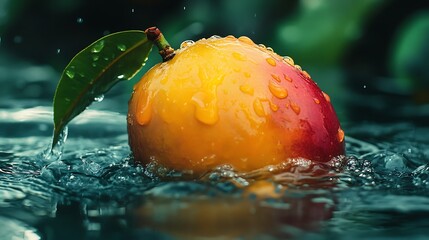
(79,20)
(132,10)
(122,76)
(58,50)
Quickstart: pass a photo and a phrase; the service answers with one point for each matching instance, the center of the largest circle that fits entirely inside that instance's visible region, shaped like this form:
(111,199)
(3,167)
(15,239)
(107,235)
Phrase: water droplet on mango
(271,61)
(306,74)
(317,101)
(247,89)
(274,107)
(277,90)
(295,108)
(276,77)
(187,43)
(206,110)
(258,107)
(130,120)
(144,110)
(287,78)
(288,60)
(245,40)
(239,56)
(326,96)
(340,135)
(298,67)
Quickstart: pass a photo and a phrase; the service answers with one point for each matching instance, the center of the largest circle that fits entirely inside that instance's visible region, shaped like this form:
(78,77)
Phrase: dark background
(371,57)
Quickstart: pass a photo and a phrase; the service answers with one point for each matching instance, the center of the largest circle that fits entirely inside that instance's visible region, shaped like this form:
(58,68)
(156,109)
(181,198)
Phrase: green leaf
(94,70)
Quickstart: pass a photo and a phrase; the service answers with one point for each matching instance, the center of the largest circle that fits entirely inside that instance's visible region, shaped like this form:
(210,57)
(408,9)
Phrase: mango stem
(165,50)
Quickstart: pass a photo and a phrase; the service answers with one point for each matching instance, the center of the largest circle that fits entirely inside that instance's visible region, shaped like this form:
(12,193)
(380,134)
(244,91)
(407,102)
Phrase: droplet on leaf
(121,47)
(98,47)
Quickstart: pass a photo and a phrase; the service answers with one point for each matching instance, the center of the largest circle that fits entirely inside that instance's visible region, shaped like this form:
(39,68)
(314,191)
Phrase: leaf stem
(165,50)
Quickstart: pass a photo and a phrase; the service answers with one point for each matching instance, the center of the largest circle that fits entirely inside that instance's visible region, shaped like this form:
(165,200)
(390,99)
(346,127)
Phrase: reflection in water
(258,210)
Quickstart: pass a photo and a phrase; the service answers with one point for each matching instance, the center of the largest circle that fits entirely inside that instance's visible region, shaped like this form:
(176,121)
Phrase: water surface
(94,190)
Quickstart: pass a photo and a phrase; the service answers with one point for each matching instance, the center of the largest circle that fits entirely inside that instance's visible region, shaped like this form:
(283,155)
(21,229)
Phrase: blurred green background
(370,56)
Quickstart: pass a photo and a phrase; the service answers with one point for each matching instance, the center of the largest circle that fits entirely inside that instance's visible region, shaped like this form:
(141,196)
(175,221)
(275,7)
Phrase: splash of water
(53,154)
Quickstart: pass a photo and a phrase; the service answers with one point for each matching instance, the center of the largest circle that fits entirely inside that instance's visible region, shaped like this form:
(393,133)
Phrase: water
(95,191)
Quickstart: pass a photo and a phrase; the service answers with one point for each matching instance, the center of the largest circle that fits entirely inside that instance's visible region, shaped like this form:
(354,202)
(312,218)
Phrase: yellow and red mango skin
(229,101)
